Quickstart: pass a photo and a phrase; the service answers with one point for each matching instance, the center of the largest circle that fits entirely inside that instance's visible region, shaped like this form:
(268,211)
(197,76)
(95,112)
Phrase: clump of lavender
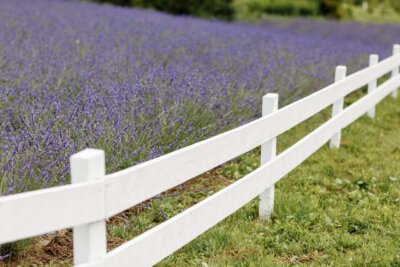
(139,84)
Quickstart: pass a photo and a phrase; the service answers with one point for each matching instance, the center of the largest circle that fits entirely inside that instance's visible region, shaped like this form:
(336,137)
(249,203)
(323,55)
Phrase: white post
(373,60)
(395,71)
(89,240)
(268,152)
(340,74)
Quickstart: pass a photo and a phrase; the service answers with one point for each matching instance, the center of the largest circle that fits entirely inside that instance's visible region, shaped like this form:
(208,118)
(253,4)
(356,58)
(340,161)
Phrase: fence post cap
(374,56)
(340,72)
(87,165)
(341,67)
(396,49)
(271,95)
(88,153)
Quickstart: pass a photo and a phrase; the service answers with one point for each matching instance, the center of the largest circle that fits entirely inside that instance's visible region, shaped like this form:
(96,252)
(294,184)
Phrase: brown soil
(46,249)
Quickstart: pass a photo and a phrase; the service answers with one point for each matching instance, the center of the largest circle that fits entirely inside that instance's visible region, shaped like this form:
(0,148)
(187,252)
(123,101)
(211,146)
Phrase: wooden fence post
(340,74)
(268,152)
(395,71)
(89,240)
(373,60)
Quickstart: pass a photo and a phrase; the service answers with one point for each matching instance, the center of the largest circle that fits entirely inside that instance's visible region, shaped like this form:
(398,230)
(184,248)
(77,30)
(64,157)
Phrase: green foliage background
(364,10)
(222,9)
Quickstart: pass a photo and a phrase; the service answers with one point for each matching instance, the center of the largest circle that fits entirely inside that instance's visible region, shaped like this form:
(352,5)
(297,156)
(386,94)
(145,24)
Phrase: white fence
(93,197)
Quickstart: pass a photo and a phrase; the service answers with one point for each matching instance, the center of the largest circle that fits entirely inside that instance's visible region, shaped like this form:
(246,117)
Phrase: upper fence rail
(87,204)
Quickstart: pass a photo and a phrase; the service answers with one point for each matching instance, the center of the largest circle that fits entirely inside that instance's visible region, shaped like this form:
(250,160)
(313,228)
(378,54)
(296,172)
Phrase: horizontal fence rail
(94,196)
(42,211)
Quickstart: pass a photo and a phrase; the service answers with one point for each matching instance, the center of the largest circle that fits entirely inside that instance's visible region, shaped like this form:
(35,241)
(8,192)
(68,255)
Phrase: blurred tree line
(222,9)
(254,9)
(339,9)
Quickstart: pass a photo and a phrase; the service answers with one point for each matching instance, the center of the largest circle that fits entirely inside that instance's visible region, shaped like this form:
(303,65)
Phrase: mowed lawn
(338,208)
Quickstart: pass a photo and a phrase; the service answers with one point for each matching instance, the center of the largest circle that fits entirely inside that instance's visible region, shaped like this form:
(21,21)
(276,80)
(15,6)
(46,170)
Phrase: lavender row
(139,84)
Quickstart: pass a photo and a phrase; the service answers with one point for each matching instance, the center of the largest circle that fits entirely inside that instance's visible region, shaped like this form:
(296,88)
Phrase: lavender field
(139,84)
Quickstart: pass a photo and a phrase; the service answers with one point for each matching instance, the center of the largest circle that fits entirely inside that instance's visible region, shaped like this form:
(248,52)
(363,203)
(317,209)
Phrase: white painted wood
(340,74)
(268,152)
(162,240)
(38,212)
(89,240)
(373,60)
(133,185)
(395,71)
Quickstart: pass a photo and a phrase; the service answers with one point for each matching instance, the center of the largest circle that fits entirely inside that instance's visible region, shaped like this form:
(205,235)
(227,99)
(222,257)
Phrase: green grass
(339,208)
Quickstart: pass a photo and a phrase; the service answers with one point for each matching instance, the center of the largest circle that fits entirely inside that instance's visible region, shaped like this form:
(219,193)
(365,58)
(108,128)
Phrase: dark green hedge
(221,9)
(285,7)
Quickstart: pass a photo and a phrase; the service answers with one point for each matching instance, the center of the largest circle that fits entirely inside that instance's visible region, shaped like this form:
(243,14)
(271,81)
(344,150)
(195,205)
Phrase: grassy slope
(339,208)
